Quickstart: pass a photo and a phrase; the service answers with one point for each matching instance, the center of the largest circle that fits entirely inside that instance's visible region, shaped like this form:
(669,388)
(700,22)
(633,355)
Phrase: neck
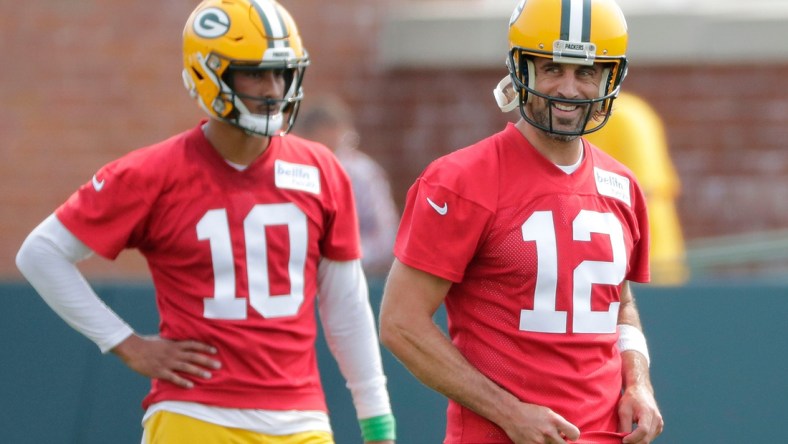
(557,151)
(234,144)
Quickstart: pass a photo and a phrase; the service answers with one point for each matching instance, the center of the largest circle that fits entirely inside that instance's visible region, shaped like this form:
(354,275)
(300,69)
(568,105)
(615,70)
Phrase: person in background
(530,238)
(245,230)
(329,120)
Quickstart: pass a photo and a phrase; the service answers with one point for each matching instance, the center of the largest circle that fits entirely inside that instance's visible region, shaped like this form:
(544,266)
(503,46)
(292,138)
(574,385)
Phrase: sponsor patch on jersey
(294,176)
(612,185)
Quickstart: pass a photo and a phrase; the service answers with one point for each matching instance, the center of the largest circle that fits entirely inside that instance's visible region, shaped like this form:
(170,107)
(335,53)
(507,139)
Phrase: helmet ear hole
(197,74)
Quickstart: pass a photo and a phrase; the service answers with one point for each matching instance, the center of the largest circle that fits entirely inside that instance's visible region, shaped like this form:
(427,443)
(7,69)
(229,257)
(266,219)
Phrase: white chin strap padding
(603,86)
(505,95)
(260,124)
(531,75)
(267,125)
(604,83)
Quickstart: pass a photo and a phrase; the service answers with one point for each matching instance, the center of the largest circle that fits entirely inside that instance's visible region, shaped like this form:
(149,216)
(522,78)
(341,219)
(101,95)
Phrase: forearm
(408,331)
(47,260)
(350,332)
(634,356)
(628,311)
(635,371)
(431,357)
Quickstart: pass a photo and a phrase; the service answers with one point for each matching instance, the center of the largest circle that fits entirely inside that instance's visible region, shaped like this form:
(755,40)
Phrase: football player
(530,238)
(247,231)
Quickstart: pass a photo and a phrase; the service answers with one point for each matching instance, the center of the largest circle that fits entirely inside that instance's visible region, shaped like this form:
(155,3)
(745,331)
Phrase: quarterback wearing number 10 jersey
(537,258)
(233,255)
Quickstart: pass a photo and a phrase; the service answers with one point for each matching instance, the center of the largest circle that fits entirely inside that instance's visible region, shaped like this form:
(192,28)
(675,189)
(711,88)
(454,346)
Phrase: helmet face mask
(596,109)
(577,32)
(222,37)
(271,121)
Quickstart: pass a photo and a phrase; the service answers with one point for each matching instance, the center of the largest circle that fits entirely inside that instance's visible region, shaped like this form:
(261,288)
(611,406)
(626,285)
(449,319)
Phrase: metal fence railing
(762,255)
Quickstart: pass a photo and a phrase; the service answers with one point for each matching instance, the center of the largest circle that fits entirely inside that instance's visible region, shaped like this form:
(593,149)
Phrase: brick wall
(85,82)
(728,132)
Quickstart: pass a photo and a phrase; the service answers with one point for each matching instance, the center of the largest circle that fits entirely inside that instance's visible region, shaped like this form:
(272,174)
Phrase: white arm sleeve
(351,335)
(47,259)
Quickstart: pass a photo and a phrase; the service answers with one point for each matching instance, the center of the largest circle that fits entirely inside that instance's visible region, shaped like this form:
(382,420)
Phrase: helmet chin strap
(259,124)
(505,95)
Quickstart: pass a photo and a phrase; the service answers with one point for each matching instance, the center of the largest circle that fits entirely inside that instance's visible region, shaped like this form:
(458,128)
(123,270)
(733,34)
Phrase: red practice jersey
(538,258)
(233,256)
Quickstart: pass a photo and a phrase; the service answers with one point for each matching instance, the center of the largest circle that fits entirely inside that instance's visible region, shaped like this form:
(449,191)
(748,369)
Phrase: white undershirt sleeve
(350,332)
(47,259)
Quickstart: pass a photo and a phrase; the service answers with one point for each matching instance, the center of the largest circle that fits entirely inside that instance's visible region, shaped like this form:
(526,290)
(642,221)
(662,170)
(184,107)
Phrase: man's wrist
(631,338)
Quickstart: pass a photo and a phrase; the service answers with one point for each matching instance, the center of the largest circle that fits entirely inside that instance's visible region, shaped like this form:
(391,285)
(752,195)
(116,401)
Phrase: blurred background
(86,81)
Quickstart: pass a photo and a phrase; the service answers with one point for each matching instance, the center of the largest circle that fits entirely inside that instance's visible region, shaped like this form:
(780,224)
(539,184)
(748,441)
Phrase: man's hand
(536,424)
(167,360)
(638,406)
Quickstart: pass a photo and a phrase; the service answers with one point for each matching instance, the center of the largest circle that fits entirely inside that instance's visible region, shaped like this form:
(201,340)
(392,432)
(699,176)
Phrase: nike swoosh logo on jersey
(441,210)
(98,184)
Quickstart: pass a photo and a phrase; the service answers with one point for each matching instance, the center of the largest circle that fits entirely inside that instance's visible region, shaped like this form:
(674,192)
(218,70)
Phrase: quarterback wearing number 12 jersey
(537,258)
(233,255)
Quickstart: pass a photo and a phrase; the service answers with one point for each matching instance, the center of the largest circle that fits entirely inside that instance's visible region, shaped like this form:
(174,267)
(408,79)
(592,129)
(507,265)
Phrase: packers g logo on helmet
(583,32)
(211,23)
(225,35)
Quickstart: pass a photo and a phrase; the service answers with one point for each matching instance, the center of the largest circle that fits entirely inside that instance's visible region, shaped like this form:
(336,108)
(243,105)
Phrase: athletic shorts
(172,428)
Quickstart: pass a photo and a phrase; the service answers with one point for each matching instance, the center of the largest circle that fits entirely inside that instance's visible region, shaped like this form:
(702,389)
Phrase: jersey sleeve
(341,240)
(107,212)
(440,229)
(641,250)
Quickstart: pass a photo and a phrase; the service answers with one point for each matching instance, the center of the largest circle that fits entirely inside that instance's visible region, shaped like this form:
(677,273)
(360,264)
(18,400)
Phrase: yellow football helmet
(582,32)
(224,35)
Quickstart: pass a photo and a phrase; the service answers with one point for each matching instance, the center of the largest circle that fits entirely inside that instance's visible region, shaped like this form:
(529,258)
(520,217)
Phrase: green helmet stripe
(273,22)
(576,20)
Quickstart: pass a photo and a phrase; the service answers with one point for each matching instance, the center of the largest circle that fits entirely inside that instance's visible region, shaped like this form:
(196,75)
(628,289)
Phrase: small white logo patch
(612,185)
(98,184)
(442,210)
(294,176)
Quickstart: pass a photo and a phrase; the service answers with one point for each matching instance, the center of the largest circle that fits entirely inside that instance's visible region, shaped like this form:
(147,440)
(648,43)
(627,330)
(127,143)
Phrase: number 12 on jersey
(545,318)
